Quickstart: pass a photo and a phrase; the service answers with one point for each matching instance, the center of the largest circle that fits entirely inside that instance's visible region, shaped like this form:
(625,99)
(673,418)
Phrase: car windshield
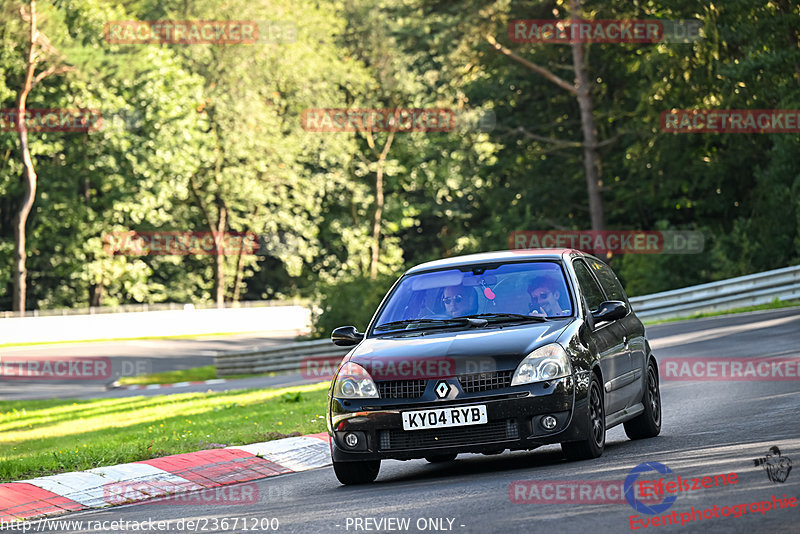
(512,291)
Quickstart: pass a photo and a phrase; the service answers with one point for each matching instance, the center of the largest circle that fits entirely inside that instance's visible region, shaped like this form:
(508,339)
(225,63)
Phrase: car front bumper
(513,422)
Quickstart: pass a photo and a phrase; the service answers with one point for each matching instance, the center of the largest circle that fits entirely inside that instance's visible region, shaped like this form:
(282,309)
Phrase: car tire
(593,445)
(648,423)
(357,472)
(441,458)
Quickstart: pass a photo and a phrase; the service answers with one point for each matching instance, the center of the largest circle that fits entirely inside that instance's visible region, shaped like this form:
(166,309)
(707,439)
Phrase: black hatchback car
(488,352)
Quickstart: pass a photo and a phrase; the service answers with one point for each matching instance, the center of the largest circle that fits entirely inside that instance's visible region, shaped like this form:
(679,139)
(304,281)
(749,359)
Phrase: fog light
(549,422)
(351,440)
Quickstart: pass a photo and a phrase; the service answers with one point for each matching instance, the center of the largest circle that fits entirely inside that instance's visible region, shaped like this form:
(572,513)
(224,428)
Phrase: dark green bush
(351,302)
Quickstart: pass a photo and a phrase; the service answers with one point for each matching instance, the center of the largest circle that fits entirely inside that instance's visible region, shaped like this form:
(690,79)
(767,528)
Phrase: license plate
(445,417)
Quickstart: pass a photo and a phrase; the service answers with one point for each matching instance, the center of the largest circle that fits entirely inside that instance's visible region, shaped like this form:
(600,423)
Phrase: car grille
(494,431)
(401,389)
(477,382)
(471,383)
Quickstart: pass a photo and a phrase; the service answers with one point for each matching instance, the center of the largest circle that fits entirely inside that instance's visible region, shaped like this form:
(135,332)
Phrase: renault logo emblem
(442,389)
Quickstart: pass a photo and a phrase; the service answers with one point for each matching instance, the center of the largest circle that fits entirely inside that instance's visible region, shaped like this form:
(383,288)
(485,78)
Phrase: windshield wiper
(479,319)
(405,322)
(509,317)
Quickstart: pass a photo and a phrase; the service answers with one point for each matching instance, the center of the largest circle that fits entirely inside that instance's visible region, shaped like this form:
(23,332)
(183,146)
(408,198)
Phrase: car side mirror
(610,310)
(345,336)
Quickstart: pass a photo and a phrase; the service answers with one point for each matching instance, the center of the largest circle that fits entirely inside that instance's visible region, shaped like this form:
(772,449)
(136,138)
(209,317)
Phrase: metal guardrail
(281,358)
(751,290)
(160,306)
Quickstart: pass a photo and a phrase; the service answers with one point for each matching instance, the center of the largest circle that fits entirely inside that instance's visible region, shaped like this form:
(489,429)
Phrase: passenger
(544,293)
(460,300)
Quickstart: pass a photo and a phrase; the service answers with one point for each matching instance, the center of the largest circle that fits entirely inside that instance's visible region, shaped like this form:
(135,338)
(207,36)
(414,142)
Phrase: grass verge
(194,374)
(774,305)
(54,436)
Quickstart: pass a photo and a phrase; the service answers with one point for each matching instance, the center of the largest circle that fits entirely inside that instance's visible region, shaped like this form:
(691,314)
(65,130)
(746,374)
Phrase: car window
(528,288)
(608,280)
(589,288)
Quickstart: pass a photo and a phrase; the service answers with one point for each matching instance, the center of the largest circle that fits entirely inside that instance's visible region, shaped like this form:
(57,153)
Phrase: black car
(488,352)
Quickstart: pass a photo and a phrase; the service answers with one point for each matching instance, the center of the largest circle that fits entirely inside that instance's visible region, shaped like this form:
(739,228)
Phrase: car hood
(473,350)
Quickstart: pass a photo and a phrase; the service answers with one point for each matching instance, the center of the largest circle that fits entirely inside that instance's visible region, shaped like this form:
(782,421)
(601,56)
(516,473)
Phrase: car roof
(501,255)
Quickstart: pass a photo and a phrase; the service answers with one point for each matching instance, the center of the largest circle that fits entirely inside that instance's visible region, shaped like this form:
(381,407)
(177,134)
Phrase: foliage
(198,131)
(349,303)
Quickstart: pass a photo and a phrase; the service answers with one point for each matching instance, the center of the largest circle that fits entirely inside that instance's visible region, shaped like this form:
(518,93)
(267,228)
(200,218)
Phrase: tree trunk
(237,283)
(581,90)
(216,232)
(96,292)
(378,216)
(21,219)
(591,161)
(219,274)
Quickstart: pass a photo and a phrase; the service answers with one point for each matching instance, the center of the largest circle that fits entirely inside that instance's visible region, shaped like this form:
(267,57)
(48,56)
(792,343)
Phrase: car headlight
(354,382)
(544,363)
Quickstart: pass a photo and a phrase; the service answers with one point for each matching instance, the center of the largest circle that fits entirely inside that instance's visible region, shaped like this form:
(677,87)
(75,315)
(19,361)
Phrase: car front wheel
(592,446)
(357,472)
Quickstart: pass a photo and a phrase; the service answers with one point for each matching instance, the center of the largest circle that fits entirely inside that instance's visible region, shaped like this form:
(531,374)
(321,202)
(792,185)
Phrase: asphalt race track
(134,357)
(709,428)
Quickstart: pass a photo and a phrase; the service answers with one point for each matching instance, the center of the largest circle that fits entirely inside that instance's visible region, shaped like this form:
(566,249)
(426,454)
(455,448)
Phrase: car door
(608,337)
(632,329)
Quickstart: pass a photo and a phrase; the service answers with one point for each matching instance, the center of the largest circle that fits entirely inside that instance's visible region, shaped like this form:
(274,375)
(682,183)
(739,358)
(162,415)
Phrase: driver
(544,293)
(460,300)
